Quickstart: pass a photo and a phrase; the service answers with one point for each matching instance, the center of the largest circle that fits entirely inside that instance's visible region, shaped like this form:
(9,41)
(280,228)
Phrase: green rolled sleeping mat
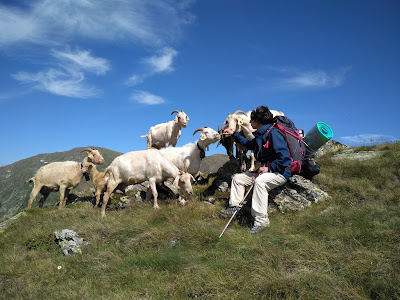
(317,137)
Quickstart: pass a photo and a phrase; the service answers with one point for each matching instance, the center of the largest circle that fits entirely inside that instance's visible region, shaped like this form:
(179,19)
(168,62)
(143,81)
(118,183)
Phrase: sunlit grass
(344,248)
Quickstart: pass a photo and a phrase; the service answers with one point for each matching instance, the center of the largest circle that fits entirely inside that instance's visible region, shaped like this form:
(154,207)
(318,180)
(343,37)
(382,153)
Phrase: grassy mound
(344,248)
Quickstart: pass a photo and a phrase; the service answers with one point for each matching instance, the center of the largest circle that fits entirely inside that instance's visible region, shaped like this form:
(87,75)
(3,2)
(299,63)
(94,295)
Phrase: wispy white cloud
(60,82)
(83,60)
(292,78)
(368,139)
(68,79)
(159,63)
(135,80)
(144,97)
(51,24)
(154,23)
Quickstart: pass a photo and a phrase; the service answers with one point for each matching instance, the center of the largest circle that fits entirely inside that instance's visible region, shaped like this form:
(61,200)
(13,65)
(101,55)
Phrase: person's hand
(228,132)
(262,170)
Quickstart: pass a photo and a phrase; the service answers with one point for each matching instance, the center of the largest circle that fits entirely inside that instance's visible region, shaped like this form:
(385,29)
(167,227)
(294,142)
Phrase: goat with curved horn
(86,150)
(166,134)
(199,129)
(188,157)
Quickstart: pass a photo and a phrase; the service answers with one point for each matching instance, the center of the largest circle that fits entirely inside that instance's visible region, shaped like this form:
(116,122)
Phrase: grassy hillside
(344,248)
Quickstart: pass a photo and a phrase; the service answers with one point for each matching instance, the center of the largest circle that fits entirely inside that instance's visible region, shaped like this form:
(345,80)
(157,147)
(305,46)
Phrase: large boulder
(297,194)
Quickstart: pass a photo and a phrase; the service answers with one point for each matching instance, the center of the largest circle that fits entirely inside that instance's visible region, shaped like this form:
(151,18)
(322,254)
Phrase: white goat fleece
(187,158)
(139,166)
(166,134)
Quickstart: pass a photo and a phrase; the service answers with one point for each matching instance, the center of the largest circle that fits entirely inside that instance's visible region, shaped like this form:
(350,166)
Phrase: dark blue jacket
(277,154)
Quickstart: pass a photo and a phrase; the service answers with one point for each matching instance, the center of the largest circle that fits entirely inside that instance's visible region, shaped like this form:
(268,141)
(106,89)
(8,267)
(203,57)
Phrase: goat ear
(202,136)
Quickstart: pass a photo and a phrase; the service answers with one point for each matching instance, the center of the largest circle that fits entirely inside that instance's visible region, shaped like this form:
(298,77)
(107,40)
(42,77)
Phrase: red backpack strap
(266,145)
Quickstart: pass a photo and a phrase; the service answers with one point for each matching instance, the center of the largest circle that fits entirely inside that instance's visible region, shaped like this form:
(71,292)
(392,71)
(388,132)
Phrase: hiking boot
(258,228)
(227,213)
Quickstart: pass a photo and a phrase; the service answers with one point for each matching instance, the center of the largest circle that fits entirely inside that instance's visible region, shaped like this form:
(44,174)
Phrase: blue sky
(101,73)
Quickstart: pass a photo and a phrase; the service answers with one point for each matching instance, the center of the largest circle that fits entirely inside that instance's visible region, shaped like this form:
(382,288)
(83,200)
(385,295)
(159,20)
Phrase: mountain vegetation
(346,247)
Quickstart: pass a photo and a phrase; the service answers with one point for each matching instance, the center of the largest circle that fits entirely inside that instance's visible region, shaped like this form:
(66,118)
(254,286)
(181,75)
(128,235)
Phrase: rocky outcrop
(357,155)
(69,241)
(330,146)
(297,194)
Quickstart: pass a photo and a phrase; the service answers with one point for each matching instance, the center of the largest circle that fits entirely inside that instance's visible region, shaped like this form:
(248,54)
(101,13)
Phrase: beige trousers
(262,184)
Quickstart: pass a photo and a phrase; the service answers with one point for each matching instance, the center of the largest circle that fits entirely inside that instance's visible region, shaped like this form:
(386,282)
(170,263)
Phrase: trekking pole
(240,205)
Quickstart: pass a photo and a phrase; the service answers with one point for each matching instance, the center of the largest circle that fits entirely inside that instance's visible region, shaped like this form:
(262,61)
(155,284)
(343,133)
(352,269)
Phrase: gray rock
(297,194)
(358,155)
(223,187)
(69,241)
(124,202)
(330,146)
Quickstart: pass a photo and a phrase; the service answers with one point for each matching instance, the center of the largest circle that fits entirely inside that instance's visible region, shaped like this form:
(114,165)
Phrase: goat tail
(107,175)
(144,136)
(31,179)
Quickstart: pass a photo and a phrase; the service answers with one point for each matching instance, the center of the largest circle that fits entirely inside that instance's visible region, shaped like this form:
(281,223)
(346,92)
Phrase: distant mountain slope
(15,191)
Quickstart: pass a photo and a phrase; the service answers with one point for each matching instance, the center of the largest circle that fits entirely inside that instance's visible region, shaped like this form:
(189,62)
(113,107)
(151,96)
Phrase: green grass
(345,248)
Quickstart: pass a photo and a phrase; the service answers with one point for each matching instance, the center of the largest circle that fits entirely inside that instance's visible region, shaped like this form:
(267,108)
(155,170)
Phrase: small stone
(223,187)
(69,241)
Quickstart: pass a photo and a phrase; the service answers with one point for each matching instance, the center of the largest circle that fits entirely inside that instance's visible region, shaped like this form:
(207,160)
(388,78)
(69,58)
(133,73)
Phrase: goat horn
(85,150)
(175,111)
(199,129)
(239,111)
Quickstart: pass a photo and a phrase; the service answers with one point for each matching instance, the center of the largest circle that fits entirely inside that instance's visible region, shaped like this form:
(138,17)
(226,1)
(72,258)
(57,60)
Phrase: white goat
(139,166)
(165,134)
(61,176)
(187,158)
(241,124)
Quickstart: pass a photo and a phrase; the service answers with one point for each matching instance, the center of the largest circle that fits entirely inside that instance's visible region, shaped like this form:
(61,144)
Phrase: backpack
(293,139)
